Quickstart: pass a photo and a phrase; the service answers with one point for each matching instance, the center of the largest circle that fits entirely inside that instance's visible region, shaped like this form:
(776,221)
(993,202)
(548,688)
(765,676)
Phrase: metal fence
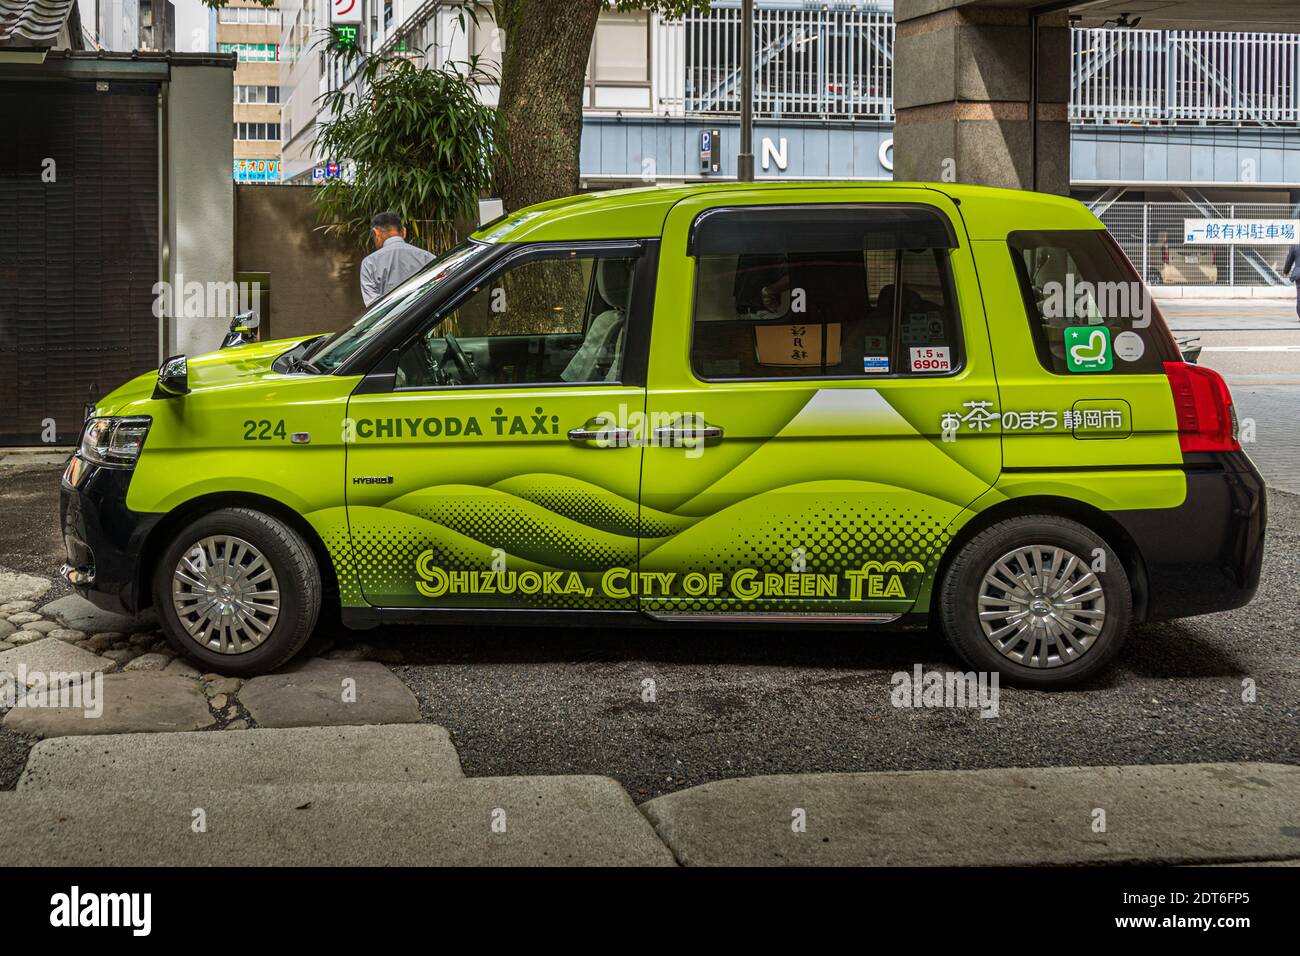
(809,60)
(1179,76)
(837,61)
(1152,235)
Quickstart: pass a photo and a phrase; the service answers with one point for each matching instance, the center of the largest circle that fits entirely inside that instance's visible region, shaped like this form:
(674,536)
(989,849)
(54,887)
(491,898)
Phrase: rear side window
(823,292)
(1088,311)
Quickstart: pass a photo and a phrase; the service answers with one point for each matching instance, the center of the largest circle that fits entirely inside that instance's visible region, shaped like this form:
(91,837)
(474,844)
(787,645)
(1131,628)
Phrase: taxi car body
(864,405)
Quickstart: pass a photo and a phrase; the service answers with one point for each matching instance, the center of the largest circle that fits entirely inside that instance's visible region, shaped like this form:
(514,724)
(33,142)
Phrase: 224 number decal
(264,430)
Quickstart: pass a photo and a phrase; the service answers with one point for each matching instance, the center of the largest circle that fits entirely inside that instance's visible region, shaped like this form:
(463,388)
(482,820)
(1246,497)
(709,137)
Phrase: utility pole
(745,158)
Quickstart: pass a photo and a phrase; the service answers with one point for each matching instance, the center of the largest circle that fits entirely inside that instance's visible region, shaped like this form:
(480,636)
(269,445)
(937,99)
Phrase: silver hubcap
(226,594)
(1041,606)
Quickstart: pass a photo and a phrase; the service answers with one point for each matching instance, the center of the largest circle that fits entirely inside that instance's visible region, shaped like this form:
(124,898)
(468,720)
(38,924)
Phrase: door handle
(674,434)
(611,437)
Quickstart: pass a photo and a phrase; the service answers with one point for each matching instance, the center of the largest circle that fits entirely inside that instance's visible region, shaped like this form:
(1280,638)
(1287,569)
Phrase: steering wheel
(432,373)
(464,362)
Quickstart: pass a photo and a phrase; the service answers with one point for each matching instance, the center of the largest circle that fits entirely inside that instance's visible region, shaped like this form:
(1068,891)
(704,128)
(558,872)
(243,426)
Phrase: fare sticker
(931,358)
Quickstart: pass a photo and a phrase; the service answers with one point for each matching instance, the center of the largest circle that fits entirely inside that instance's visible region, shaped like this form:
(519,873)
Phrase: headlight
(115,442)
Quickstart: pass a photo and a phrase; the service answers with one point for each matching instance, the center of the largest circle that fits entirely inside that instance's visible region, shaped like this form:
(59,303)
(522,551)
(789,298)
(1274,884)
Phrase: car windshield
(336,349)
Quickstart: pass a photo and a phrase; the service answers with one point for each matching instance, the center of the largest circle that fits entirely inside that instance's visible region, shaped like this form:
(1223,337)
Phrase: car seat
(607,332)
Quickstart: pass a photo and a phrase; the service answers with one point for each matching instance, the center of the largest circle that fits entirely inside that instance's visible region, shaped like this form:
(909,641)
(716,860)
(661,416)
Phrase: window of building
(560,320)
(620,50)
(257,14)
(257,131)
(841,292)
(256,94)
(1087,309)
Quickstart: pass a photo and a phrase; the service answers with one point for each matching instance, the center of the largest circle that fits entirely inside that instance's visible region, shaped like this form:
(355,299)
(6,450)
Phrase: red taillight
(1203,404)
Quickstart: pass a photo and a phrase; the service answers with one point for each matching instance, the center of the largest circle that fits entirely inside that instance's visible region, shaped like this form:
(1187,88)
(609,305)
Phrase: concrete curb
(395,795)
(512,821)
(401,753)
(1162,814)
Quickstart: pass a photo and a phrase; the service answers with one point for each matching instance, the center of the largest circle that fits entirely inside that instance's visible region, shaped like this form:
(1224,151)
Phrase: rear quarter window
(823,292)
(1088,311)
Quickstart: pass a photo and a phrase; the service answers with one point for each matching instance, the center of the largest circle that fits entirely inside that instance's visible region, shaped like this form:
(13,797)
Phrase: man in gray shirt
(392,262)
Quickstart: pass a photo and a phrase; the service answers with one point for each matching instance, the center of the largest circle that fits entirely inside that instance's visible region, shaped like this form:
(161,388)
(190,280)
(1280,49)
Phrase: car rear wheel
(238,591)
(1040,599)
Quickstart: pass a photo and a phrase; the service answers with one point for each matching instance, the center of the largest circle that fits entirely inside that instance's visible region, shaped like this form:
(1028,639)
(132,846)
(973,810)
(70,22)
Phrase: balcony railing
(836,61)
(1145,76)
(831,61)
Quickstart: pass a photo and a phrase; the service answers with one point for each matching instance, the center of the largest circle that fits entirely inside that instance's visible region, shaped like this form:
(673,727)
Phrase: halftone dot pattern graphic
(388,545)
(332,526)
(550,539)
(592,506)
(836,534)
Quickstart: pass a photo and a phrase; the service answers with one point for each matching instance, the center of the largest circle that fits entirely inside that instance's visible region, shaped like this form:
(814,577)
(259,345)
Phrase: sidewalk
(385,795)
(1212,314)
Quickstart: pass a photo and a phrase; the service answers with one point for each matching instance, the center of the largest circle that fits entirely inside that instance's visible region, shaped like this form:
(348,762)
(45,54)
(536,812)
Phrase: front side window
(555,320)
(1088,310)
(837,292)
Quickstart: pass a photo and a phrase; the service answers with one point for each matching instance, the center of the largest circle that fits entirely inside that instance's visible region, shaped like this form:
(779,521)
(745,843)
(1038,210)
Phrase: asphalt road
(741,703)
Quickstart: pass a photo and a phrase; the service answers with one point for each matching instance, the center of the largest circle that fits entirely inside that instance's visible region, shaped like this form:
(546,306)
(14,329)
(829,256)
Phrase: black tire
(960,591)
(296,573)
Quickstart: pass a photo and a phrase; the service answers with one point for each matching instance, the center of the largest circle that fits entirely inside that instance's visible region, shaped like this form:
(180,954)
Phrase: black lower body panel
(103,538)
(1206,554)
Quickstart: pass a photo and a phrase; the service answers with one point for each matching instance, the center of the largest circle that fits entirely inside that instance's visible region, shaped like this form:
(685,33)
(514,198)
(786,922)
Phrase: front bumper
(1205,555)
(103,538)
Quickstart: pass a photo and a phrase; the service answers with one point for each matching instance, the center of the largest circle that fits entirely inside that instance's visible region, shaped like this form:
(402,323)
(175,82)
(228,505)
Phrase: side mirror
(243,330)
(173,378)
(245,322)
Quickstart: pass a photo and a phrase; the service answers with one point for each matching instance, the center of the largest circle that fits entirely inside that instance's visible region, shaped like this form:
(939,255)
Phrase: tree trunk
(547,43)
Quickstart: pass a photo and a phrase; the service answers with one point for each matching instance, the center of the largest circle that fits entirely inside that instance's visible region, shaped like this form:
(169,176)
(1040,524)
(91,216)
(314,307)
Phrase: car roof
(639,213)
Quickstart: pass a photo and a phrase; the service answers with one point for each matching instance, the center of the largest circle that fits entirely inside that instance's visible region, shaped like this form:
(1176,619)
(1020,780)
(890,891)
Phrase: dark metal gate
(79,193)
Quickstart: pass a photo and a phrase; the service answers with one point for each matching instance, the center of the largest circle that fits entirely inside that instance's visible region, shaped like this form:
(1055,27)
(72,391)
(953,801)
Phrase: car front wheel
(238,591)
(1040,599)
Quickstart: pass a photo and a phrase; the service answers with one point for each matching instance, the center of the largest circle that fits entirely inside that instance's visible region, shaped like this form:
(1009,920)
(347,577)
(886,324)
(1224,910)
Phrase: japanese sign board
(345,11)
(257,170)
(1230,232)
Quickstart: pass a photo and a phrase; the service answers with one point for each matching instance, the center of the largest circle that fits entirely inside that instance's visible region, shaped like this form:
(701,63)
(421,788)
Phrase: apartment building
(149,26)
(252,32)
(303,78)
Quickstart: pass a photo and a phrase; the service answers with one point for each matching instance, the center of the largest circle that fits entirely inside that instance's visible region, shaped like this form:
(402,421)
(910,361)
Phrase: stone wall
(314,278)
